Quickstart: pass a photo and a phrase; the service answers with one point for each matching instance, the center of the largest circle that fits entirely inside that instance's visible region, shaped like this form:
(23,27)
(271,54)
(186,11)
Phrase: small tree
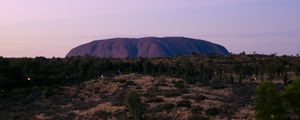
(133,103)
(188,67)
(147,66)
(291,98)
(285,78)
(298,70)
(268,103)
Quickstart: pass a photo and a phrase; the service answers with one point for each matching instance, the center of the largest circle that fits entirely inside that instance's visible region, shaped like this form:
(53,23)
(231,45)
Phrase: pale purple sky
(52,27)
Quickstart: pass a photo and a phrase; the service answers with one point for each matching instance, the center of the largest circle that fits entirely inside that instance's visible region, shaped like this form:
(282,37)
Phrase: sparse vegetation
(195,86)
(24,72)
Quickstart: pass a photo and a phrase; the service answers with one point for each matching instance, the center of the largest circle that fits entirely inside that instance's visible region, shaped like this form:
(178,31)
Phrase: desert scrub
(133,103)
(130,83)
(171,93)
(268,102)
(156,100)
(197,117)
(213,111)
(218,84)
(162,83)
(47,92)
(199,98)
(70,116)
(164,107)
(159,117)
(179,84)
(102,114)
(184,103)
(153,92)
(197,109)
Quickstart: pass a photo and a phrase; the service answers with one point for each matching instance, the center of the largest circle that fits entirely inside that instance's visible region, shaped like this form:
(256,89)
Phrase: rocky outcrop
(147,47)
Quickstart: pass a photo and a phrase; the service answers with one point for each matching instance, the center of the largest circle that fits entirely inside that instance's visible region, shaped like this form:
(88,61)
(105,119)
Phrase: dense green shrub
(291,97)
(268,103)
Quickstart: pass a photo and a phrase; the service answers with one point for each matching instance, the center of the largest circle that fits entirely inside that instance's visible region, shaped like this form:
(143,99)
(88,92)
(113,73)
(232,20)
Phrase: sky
(50,28)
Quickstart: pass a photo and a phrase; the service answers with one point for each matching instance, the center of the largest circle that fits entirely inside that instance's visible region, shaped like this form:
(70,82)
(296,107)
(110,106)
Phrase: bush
(6,82)
(156,100)
(102,114)
(159,117)
(162,84)
(47,92)
(291,98)
(164,107)
(134,105)
(204,82)
(130,83)
(179,84)
(197,117)
(218,84)
(197,109)
(199,98)
(184,103)
(190,81)
(213,111)
(70,116)
(171,93)
(268,104)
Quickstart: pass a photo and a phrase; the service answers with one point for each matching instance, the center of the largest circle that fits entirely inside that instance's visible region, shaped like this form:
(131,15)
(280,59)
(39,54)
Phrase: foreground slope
(164,98)
(147,47)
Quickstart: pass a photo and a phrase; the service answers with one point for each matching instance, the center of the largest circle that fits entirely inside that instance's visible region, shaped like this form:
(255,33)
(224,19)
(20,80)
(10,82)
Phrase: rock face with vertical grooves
(146,47)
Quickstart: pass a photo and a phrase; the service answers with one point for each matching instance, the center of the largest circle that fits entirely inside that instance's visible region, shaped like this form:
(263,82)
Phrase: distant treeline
(23,72)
